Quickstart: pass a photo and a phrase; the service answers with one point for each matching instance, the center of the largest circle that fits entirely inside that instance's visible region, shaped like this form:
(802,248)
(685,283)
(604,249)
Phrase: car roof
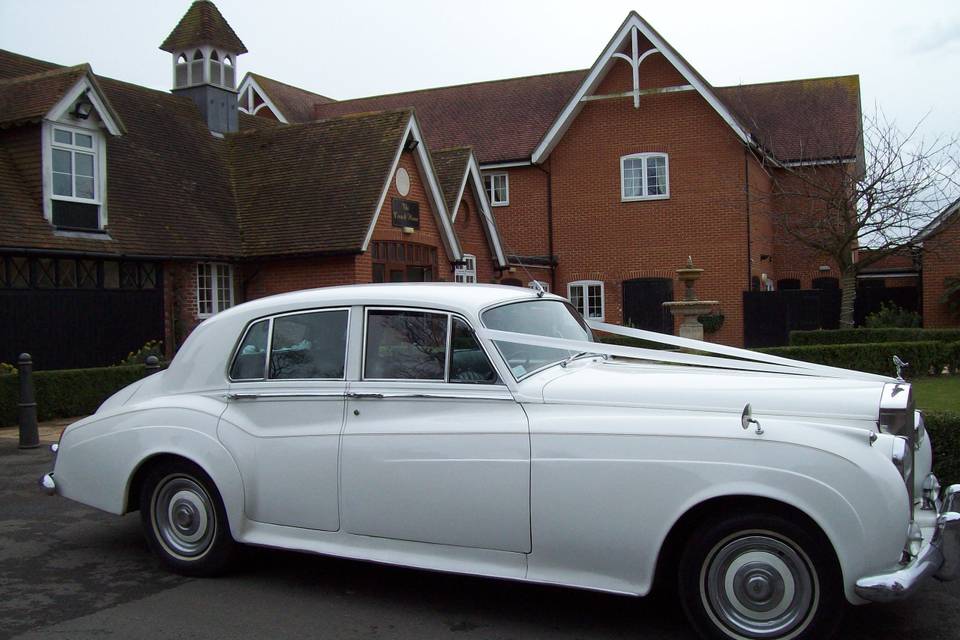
(469,298)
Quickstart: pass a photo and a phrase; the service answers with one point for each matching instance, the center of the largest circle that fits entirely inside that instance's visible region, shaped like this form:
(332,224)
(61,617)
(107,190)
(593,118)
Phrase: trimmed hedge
(944,430)
(66,393)
(863,336)
(925,358)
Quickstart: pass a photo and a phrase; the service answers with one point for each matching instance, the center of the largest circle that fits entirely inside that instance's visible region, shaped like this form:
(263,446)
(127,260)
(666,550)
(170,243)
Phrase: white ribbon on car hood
(736,359)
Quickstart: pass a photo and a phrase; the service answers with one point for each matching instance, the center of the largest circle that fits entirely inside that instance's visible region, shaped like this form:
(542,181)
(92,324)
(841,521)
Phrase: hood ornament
(900,365)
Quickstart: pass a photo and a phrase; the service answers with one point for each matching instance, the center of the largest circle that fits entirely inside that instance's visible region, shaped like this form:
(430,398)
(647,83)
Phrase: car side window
(408,345)
(309,345)
(468,362)
(251,358)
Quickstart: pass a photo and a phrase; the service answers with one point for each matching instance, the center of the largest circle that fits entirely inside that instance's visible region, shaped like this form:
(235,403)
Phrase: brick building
(128,214)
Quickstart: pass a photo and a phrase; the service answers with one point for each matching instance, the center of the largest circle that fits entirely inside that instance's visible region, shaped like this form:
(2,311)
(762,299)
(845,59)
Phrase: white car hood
(619,383)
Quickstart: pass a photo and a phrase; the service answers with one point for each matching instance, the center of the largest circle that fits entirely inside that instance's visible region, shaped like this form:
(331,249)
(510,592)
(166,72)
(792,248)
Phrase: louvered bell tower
(205,51)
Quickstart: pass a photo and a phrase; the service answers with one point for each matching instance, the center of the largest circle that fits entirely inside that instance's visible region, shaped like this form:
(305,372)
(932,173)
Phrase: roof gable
(287,102)
(627,36)
(203,24)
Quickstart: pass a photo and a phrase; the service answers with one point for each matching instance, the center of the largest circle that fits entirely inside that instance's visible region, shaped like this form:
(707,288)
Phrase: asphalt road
(67,571)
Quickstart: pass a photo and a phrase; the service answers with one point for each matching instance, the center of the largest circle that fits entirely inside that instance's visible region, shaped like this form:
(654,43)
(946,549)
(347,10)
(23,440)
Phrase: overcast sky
(907,53)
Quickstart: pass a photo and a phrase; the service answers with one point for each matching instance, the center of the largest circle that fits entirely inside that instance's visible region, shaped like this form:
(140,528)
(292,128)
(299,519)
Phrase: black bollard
(29,435)
(152,365)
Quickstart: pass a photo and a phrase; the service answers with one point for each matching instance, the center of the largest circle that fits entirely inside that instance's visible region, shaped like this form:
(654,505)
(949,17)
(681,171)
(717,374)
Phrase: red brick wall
(523,223)
(270,277)
(941,260)
(428,233)
(469,227)
(599,237)
(762,232)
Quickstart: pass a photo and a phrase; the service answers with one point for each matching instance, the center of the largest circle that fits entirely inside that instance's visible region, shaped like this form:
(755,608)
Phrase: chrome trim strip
(431,396)
(240,395)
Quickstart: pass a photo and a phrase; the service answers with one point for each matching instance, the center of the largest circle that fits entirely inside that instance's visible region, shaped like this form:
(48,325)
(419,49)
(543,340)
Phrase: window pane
(309,345)
(405,345)
(595,301)
(632,176)
(84,164)
(84,140)
(468,362)
(84,187)
(62,184)
(252,354)
(576,298)
(224,287)
(656,176)
(204,289)
(61,161)
(63,137)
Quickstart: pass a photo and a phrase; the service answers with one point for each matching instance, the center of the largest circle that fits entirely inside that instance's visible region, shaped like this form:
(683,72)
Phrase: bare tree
(874,188)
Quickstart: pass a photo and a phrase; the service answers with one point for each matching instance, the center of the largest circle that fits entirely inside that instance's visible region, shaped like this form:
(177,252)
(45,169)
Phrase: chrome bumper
(940,558)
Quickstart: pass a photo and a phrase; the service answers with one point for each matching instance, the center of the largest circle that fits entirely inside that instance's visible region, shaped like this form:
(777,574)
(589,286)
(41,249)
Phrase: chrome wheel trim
(183,517)
(759,584)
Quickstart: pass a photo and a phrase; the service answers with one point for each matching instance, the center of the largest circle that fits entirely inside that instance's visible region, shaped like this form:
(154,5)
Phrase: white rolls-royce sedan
(482,430)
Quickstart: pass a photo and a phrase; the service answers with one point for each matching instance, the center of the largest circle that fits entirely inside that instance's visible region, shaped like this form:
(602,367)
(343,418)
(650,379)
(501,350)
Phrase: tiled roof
(31,97)
(450,166)
(502,120)
(169,192)
(203,24)
(797,120)
(294,103)
(313,188)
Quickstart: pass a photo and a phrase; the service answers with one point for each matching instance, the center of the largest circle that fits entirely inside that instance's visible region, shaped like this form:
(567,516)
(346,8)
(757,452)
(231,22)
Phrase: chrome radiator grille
(897,418)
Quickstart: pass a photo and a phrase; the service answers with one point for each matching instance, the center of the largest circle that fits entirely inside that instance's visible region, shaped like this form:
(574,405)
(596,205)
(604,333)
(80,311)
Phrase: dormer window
(74,179)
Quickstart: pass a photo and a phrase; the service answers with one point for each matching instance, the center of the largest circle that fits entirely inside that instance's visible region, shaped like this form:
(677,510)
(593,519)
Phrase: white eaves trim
(817,163)
(633,24)
(85,86)
(493,233)
(249,82)
(505,165)
(425,167)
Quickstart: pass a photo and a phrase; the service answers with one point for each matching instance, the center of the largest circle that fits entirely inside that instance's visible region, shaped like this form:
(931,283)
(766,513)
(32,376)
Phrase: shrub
(862,336)
(151,348)
(890,315)
(925,358)
(944,430)
(66,393)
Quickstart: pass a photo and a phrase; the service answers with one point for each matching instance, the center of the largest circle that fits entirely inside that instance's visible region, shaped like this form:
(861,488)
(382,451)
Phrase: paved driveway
(67,571)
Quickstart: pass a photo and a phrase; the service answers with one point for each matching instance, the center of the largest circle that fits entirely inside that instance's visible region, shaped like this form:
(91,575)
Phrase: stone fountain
(690,308)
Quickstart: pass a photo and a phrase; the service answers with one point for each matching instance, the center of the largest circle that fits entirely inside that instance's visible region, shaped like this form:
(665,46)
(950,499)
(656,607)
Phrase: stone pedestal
(690,308)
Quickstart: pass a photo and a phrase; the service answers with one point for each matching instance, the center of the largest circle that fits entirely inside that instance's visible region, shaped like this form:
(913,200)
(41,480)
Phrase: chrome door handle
(241,396)
(364,395)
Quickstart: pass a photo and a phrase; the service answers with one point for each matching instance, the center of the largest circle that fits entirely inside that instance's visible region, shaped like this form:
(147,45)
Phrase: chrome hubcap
(183,516)
(759,586)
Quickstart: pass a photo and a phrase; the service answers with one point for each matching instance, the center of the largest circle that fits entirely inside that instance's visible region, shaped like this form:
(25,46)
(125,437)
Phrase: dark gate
(643,300)
(770,316)
(870,298)
(69,322)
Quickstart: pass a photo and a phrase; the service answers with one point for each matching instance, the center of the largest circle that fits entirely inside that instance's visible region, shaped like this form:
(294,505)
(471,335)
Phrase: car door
(285,415)
(435,448)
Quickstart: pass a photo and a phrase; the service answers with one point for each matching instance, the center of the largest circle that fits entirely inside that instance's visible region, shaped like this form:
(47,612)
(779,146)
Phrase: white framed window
(466,272)
(533,285)
(497,186)
(587,297)
(645,176)
(75,165)
(214,288)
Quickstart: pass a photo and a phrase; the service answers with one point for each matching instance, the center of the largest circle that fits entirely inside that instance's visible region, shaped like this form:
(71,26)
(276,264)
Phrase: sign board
(406,213)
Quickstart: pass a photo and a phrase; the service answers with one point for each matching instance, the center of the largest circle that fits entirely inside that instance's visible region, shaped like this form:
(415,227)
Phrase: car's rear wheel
(760,576)
(184,520)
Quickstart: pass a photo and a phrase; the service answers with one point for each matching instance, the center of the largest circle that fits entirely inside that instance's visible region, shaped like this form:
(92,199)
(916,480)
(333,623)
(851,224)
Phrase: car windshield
(549,318)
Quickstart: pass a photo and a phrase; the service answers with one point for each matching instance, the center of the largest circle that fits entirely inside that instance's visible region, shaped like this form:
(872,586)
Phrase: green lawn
(937,394)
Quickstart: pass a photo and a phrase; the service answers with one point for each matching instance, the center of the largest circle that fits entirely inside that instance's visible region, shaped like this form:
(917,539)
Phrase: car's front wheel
(184,520)
(760,576)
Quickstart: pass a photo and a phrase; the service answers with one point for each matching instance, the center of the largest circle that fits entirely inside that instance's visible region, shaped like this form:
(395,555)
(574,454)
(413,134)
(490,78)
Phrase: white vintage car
(480,429)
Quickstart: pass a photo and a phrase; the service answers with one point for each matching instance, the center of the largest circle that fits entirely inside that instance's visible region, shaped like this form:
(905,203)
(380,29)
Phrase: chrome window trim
(266,364)
(446,367)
